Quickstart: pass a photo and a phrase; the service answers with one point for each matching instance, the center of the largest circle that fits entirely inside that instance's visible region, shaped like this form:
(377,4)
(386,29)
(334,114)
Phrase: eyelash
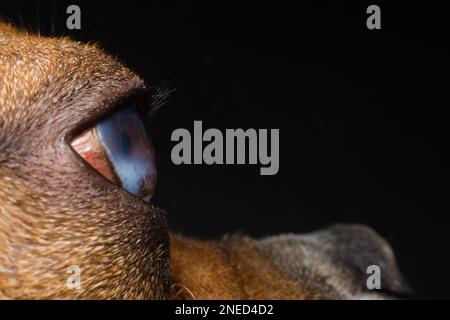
(149,101)
(157,96)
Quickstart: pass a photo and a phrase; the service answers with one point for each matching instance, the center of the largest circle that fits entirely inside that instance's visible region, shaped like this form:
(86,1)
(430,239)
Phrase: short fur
(56,211)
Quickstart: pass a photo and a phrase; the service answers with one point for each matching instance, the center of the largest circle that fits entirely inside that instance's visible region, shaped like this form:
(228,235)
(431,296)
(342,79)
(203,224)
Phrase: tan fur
(232,268)
(56,212)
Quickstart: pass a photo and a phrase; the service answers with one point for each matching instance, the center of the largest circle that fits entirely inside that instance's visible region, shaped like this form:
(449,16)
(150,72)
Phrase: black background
(363,115)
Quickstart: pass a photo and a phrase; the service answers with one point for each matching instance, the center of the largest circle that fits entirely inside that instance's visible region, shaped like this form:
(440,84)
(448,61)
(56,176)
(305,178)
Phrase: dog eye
(119,148)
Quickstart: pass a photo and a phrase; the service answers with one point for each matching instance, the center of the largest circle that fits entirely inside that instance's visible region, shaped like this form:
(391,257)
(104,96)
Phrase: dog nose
(336,261)
(355,248)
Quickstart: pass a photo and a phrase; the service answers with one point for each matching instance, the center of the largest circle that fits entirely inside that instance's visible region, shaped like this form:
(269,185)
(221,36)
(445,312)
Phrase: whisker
(52,19)
(38,21)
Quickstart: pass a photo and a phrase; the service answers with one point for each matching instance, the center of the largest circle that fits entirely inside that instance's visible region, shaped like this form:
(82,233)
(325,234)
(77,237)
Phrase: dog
(57,211)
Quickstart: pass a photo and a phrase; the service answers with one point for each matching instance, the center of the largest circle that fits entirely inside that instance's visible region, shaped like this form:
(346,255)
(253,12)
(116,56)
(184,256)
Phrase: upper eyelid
(109,101)
(148,99)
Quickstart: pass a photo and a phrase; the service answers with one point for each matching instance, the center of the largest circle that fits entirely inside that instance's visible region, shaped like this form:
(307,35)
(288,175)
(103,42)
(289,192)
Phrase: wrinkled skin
(56,211)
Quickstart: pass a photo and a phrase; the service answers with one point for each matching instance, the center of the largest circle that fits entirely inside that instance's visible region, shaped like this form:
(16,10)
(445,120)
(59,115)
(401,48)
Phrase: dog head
(57,211)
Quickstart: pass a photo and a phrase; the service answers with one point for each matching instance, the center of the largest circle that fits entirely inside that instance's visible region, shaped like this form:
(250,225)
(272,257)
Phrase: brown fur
(230,269)
(55,211)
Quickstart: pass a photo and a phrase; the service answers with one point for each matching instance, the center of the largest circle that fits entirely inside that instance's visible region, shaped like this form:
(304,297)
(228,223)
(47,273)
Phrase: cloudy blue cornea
(130,151)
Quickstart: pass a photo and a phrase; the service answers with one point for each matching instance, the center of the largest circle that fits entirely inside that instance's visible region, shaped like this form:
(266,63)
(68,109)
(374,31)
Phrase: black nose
(335,261)
(356,247)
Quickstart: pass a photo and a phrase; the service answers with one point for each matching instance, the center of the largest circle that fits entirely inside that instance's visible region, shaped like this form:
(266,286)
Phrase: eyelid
(148,100)
(119,148)
(89,109)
